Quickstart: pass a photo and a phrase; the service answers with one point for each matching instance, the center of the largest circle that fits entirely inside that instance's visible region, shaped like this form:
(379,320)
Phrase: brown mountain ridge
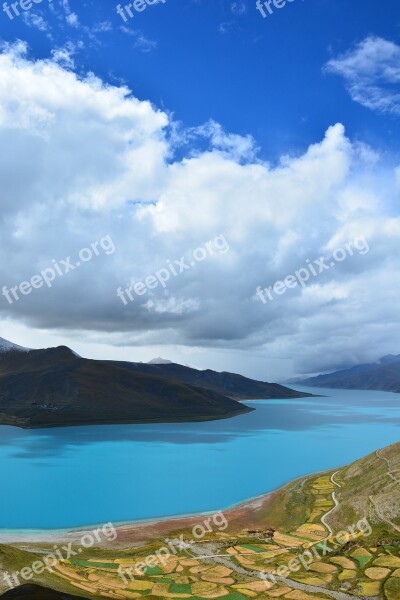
(56,387)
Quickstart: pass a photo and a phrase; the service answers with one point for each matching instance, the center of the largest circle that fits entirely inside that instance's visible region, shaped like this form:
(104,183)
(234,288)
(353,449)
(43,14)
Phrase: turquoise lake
(69,477)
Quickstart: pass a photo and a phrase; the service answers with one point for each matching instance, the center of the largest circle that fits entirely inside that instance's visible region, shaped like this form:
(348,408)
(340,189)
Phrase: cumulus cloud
(371,71)
(80,159)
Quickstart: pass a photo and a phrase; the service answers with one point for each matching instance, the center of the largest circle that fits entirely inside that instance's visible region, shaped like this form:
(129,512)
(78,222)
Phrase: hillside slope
(383,375)
(54,387)
(369,487)
(230,384)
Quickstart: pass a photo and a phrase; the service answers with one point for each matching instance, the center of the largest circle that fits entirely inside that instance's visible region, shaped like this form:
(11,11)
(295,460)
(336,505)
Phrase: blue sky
(195,120)
(205,59)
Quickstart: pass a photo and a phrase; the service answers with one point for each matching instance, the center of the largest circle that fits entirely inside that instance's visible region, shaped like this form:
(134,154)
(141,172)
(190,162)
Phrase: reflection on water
(83,475)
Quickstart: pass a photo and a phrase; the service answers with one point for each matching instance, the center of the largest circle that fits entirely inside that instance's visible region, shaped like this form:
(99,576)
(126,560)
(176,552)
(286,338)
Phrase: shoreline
(15,536)
(20,422)
(46,534)
(149,528)
(164,421)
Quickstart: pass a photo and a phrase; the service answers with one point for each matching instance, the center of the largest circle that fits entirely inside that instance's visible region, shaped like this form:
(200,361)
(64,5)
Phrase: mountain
(382,375)
(232,385)
(159,361)
(53,387)
(6,346)
(56,387)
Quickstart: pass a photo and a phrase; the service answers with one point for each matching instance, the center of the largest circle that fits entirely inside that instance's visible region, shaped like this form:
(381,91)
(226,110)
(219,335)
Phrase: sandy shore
(241,516)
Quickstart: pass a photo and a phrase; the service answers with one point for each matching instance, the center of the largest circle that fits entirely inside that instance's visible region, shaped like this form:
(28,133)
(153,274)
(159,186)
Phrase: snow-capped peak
(6,346)
(159,361)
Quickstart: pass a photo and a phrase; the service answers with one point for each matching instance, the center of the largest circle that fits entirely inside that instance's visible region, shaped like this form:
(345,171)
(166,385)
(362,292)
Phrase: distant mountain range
(383,375)
(56,387)
(232,385)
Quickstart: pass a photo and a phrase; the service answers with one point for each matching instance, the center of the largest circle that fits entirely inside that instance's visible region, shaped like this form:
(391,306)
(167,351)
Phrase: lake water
(60,478)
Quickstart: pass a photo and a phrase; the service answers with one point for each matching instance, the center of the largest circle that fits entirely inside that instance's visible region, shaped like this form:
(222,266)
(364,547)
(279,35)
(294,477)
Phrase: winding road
(323,519)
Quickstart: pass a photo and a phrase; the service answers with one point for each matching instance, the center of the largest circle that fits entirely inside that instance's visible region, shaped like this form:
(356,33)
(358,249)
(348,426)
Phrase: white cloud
(102,27)
(70,17)
(371,71)
(80,159)
(140,40)
(62,117)
(34,20)
(65,56)
(238,8)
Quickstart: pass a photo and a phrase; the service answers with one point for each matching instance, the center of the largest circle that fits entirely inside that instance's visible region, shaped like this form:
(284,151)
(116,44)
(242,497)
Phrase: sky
(238,174)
